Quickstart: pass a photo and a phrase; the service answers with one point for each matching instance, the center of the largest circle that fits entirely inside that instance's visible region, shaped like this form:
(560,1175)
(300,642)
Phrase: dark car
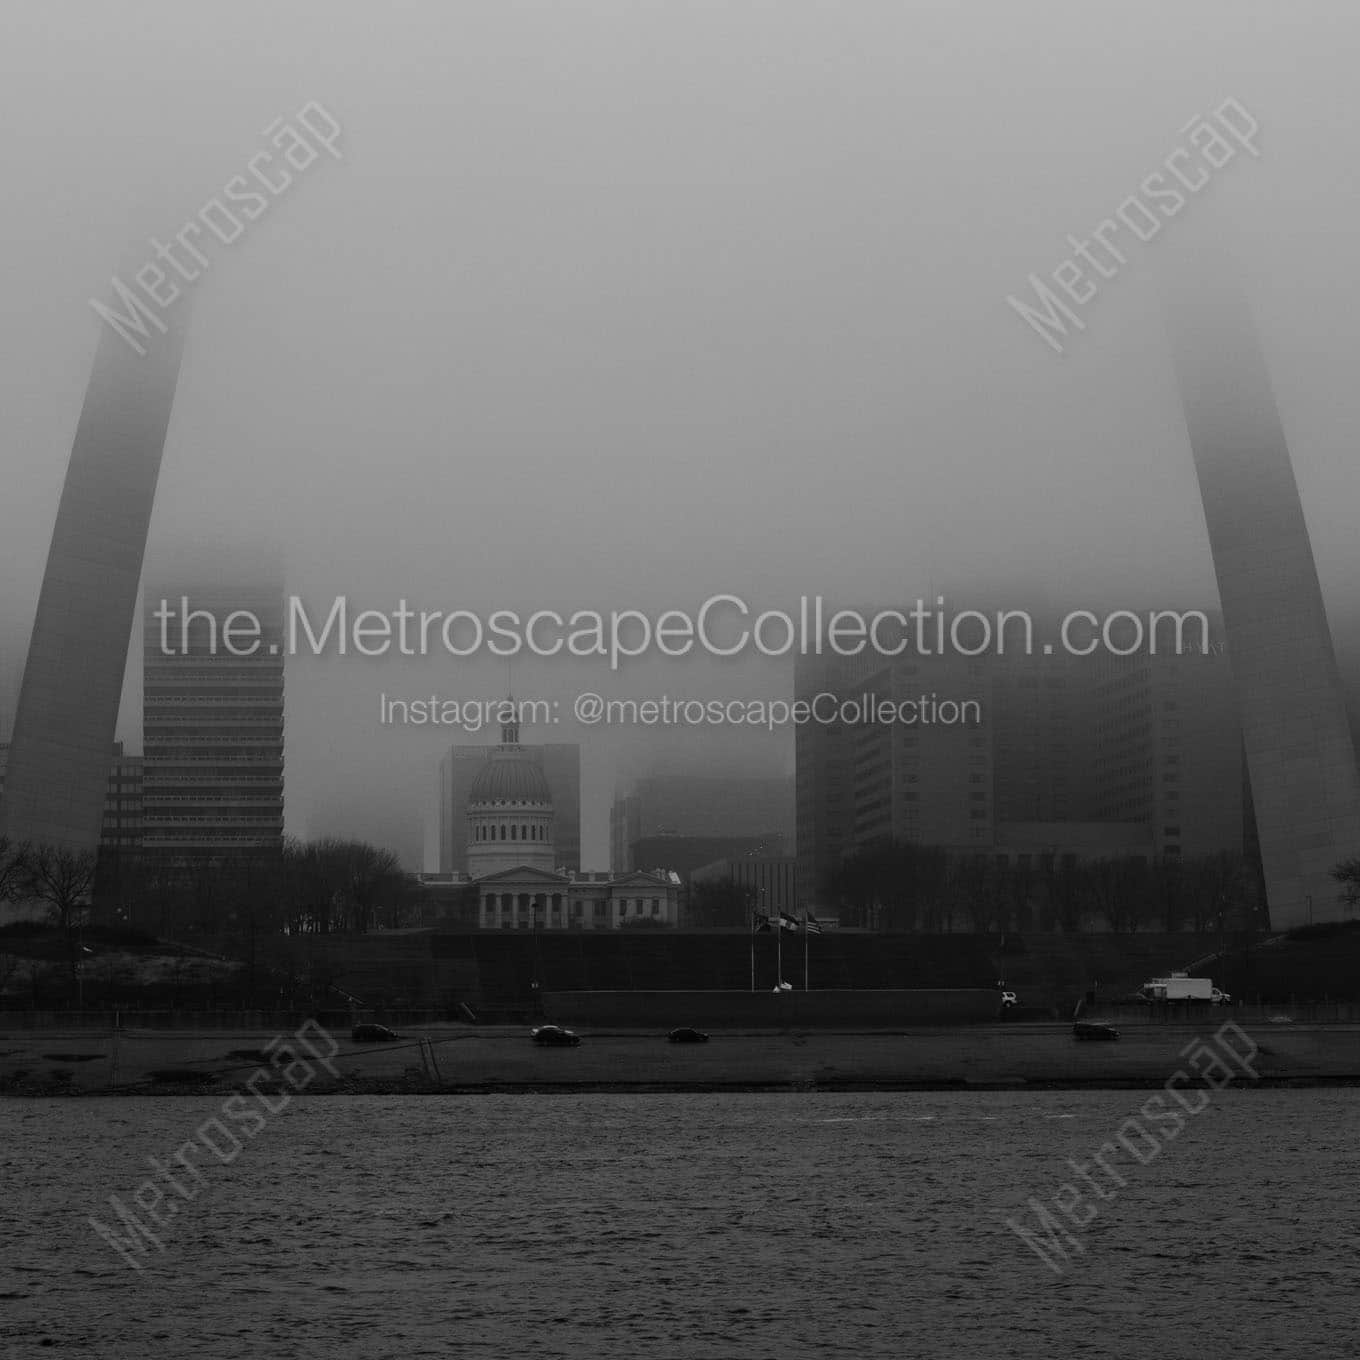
(554,1036)
(372,1034)
(1094,1029)
(686,1035)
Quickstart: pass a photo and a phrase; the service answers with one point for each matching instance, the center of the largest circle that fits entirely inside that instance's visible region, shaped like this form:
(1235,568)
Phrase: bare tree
(13,870)
(1347,874)
(63,879)
(339,885)
(1065,892)
(1119,891)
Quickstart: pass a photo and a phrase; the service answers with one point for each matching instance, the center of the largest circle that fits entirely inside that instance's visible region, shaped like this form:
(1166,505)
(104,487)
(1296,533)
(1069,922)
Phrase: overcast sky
(615,305)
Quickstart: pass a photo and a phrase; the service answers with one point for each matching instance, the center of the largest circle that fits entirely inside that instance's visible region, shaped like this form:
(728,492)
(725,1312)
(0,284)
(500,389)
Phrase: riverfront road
(503,1058)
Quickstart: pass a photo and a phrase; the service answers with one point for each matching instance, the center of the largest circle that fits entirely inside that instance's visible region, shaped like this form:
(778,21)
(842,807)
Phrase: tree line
(322,886)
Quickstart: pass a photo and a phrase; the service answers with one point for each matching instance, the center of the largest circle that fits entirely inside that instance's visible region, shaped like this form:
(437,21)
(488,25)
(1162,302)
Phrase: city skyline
(652,622)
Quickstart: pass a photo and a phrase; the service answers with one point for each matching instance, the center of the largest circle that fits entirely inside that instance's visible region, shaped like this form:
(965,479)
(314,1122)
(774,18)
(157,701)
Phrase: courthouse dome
(509,777)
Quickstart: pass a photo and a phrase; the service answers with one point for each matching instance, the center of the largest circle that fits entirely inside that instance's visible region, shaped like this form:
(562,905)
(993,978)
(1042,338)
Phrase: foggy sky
(617,305)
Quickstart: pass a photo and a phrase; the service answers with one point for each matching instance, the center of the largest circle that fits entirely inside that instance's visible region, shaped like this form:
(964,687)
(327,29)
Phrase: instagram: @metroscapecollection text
(594,710)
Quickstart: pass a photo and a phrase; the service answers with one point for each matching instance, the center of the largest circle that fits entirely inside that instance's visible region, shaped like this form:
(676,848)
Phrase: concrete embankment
(980,1056)
(858,1009)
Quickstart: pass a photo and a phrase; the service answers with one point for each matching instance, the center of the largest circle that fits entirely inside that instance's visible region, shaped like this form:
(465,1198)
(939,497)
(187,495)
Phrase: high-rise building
(697,806)
(560,763)
(122,831)
(684,854)
(823,781)
(769,882)
(213,721)
(1304,783)
(1068,755)
(67,712)
(1167,748)
(1042,710)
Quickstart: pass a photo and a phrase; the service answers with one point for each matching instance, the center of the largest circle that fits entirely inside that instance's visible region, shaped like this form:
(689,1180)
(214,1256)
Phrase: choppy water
(689,1225)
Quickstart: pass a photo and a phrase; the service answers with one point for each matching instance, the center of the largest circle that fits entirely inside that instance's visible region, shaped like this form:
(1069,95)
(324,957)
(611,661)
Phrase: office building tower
(213,721)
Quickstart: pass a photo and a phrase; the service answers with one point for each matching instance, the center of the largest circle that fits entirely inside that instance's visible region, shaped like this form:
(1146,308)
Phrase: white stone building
(511,859)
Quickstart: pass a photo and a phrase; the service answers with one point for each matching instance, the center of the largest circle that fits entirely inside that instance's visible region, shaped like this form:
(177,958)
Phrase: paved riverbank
(504,1059)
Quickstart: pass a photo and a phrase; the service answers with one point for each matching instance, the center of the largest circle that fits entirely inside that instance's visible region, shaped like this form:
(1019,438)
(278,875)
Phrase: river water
(669,1226)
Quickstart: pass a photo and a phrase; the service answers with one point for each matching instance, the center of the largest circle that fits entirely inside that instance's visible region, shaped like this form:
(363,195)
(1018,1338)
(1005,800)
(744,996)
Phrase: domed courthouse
(512,861)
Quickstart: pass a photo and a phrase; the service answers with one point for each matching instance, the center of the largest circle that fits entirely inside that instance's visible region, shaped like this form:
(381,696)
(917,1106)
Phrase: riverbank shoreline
(387,1089)
(465,1061)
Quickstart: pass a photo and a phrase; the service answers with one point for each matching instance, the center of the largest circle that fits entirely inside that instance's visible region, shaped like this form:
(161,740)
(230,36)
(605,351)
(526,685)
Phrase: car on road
(554,1036)
(372,1034)
(687,1035)
(1094,1029)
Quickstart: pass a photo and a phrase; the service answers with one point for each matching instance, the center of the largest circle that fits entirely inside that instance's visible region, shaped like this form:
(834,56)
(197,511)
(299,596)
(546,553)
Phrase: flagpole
(805,950)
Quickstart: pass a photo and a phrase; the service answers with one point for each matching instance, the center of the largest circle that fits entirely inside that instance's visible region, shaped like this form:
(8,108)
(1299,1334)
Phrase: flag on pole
(787,921)
(811,924)
(760,923)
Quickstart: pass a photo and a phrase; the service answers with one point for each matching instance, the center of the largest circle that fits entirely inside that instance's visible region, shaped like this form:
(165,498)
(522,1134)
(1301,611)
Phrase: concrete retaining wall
(759,1010)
